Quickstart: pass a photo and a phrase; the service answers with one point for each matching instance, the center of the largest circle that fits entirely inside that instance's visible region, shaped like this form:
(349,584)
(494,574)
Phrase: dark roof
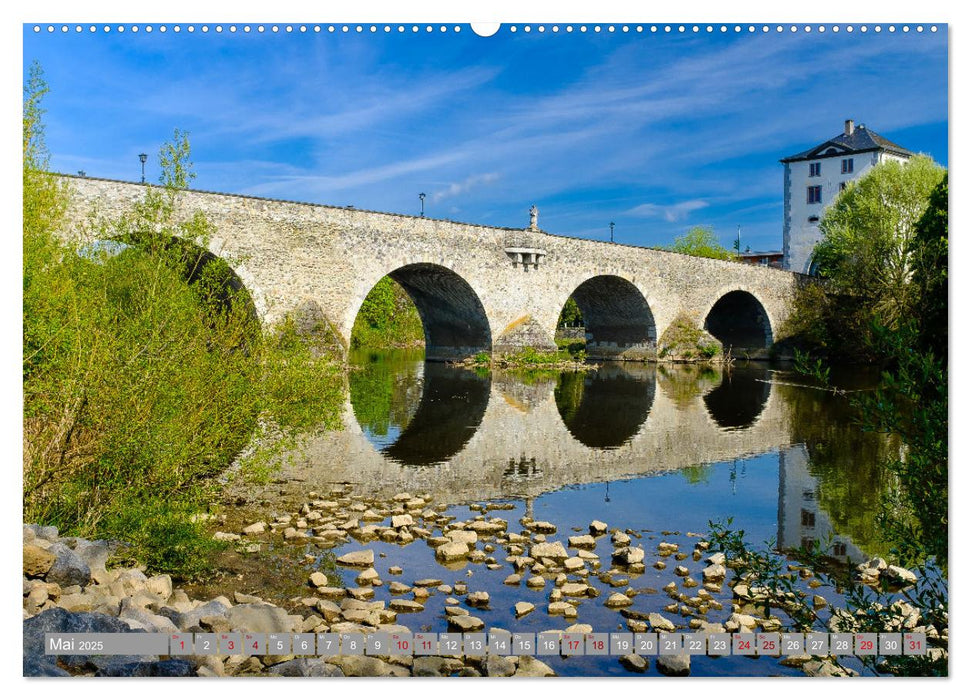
(860,141)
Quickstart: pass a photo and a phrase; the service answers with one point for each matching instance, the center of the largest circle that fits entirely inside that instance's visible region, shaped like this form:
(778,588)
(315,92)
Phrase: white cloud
(668,212)
(457,188)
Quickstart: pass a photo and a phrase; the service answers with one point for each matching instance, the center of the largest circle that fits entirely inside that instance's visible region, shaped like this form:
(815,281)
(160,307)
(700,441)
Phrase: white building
(815,177)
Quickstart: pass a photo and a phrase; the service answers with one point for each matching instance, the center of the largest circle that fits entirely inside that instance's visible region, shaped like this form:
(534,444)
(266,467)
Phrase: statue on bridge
(533,218)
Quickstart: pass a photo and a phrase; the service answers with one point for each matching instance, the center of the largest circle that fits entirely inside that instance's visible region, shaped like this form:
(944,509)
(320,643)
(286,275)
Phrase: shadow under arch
(619,323)
(452,316)
(739,321)
(604,409)
(418,428)
(739,400)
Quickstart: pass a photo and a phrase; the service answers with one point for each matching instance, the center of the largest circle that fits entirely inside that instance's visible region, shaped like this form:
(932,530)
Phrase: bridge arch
(452,315)
(618,321)
(739,320)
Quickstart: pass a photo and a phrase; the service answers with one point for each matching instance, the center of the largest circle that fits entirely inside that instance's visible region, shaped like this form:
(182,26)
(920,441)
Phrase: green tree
(701,242)
(866,252)
(928,251)
(570,316)
(388,318)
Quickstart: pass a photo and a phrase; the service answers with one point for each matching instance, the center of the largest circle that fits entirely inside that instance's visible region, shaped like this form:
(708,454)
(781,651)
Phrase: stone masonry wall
(292,254)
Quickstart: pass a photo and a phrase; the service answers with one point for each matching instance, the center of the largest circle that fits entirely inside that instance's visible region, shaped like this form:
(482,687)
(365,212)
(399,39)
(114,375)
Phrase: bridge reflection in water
(463,436)
(439,428)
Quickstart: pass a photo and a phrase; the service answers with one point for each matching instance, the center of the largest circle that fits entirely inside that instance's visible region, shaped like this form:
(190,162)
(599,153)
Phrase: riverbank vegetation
(883,299)
(145,368)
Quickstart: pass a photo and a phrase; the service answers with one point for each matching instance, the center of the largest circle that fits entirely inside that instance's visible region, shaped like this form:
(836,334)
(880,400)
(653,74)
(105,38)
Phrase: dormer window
(815,169)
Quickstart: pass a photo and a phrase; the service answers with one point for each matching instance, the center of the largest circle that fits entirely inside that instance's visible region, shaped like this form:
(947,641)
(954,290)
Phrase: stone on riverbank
(530,667)
(37,561)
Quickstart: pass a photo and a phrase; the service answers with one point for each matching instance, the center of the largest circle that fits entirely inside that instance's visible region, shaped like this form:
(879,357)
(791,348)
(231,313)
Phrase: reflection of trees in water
(683,383)
(435,416)
(848,463)
(606,408)
(385,389)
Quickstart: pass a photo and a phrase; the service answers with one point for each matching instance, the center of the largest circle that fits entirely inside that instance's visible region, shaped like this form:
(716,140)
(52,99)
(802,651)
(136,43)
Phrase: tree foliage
(701,242)
(387,318)
(866,252)
(570,316)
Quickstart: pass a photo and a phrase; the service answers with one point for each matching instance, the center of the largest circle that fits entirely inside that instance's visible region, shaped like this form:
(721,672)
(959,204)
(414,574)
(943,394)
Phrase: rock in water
(618,600)
(660,623)
(533,668)
(679,665)
(466,623)
(597,528)
(634,662)
(362,558)
(524,608)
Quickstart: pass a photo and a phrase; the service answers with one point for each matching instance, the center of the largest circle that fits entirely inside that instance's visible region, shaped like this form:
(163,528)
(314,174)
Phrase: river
(659,451)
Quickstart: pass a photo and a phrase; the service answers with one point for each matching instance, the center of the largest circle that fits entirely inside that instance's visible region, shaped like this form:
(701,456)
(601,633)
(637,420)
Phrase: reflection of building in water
(801,520)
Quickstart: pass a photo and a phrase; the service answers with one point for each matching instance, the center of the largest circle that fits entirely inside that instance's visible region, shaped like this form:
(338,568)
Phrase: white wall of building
(800,235)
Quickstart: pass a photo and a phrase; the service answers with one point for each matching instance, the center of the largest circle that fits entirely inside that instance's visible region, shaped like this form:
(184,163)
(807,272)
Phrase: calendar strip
(499,643)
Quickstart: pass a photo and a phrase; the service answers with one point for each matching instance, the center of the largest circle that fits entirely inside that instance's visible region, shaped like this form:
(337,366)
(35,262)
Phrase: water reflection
(738,401)
(416,413)
(606,408)
(509,435)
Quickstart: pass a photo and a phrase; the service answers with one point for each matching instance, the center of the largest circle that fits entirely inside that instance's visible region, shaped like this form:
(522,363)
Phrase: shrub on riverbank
(145,370)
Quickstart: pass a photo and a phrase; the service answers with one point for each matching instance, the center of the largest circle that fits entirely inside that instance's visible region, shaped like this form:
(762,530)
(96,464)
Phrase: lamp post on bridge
(611,231)
(421,196)
(143,157)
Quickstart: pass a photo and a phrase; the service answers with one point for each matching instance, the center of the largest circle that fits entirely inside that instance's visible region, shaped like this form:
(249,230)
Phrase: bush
(144,371)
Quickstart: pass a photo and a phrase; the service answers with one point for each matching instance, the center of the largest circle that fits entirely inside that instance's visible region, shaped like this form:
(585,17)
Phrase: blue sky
(656,132)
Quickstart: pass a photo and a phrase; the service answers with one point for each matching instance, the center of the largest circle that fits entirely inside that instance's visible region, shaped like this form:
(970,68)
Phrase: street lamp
(143,157)
(421,196)
(611,231)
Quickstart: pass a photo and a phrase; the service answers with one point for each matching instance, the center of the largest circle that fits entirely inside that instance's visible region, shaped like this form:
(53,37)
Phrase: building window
(847,166)
(808,518)
(839,549)
(815,169)
(842,186)
(814,194)
(814,219)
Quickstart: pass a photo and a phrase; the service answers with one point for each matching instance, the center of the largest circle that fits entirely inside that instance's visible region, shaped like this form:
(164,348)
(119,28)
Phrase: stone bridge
(477,288)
